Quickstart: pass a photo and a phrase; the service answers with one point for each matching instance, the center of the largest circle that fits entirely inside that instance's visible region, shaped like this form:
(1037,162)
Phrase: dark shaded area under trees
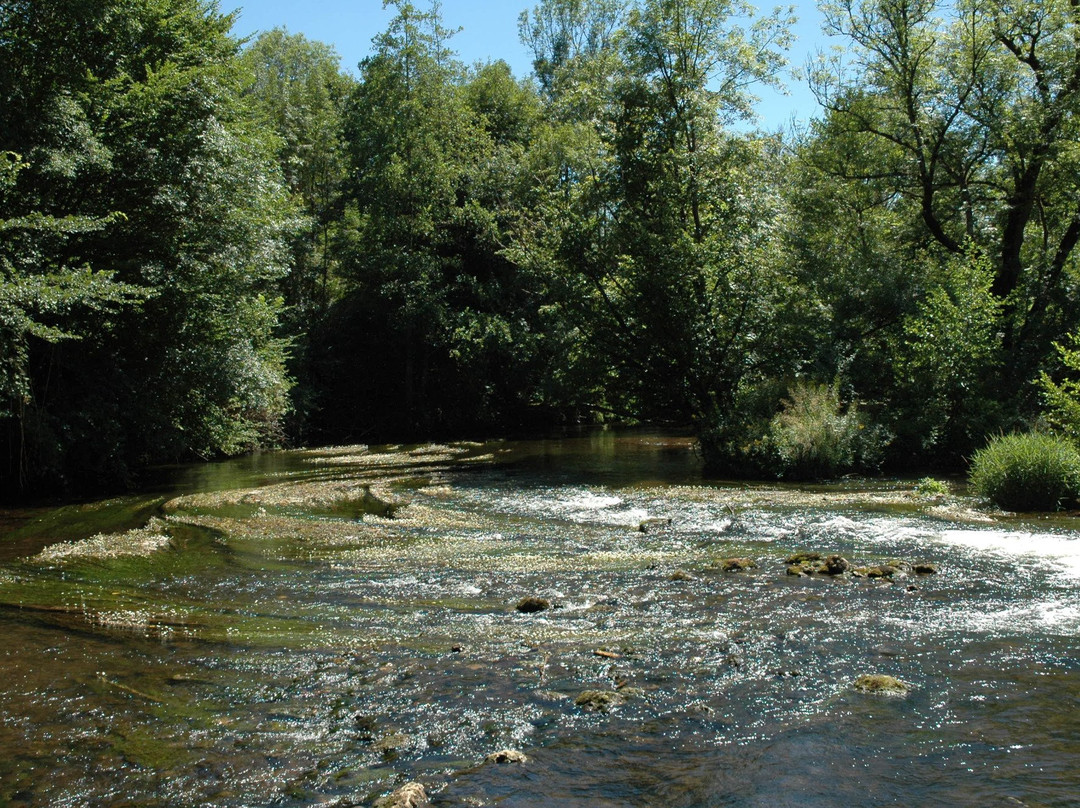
(211,246)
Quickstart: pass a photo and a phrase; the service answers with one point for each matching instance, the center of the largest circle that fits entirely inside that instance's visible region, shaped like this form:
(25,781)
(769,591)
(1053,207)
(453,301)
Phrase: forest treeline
(209,246)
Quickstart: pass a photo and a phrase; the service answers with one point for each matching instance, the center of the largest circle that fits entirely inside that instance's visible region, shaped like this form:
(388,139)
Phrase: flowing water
(320,627)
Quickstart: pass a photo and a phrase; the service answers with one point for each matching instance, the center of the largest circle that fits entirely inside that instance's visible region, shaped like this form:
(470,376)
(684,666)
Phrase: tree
(135,149)
(434,308)
(298,90)
(661,222)
(969,112)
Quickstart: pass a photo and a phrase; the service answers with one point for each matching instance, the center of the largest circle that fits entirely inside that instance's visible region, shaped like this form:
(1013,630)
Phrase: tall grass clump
(1031,471)
(814,436)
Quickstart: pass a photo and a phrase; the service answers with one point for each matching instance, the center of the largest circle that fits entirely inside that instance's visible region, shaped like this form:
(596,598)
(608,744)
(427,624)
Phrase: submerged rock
(645,525)
(600,701)
(680,575)
(530,605)
(410,795)
(924,568)
(507,756)
(389,744)
(881,683)
(803,558)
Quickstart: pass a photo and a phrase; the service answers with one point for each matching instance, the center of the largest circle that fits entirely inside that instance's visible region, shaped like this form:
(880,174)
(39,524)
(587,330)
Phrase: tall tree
(434,309)
(662,222)
(298,90)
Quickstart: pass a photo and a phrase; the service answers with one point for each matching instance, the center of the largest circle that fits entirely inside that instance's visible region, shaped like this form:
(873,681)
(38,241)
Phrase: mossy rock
(881,683)
(504,756)
(410,795)
(600,701)
(737,564)
(881,571)
(835,565)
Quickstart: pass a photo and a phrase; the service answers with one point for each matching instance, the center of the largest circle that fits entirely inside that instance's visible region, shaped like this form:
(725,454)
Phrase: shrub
(814,436)
(1030,471)
(929,487)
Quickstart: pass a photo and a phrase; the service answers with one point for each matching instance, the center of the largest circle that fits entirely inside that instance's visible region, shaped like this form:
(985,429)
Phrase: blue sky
(488,32)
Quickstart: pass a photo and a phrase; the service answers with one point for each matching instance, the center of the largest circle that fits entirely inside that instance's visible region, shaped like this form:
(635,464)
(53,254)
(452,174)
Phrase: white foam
(1050,615)
(1060,549)
(588,501)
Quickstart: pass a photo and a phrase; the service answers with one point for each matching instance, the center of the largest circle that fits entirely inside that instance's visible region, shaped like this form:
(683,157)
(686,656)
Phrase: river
(321,627)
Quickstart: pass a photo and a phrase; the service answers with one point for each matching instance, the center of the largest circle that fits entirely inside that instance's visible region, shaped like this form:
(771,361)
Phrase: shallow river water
(321,627)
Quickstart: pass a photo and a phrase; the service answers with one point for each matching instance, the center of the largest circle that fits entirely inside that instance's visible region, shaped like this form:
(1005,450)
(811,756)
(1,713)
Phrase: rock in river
(600,701)
(533,604)
(410,795)
(507,756)
(737,564)
(836,565)
(881,683)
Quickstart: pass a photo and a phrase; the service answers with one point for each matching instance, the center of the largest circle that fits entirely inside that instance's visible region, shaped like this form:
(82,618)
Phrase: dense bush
(1027,472)
(815,436)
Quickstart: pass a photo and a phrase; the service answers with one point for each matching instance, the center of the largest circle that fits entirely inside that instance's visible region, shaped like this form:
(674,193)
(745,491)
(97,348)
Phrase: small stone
(533,604)
(600,701)
(737,564)
(881,683)
(507,756)
(410,795)
(802,558)
(797,569)
(680,575)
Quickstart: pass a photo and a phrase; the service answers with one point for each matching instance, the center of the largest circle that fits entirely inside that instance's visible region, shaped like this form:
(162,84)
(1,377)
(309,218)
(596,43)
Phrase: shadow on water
(320,627)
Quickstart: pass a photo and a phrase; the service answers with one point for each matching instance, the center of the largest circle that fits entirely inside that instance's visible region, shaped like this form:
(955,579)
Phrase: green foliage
(930,487)
(296,89)
(186,224)
(1027,472)
(39,294)
(958,119)
(814,436)
(948,357)
(141,179)
(657,222)
(1062,399)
